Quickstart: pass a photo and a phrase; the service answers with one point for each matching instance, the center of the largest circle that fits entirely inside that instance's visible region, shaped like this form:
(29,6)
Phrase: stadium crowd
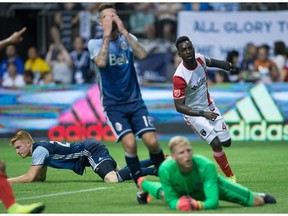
(66,59)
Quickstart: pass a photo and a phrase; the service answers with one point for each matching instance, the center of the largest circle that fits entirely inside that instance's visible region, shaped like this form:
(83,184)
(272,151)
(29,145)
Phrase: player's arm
(102,58)
(210,184)
(15,38)
(171,196)
(179,101)
(35,173)
(137,48)
(225,65)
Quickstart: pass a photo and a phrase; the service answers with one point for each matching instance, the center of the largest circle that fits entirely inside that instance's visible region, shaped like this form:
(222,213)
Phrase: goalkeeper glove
(186,203)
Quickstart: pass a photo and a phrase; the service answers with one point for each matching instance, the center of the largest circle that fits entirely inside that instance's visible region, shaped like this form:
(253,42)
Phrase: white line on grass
(63,193)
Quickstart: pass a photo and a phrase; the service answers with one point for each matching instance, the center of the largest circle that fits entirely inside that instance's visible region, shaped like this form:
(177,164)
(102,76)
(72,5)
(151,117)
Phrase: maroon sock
(221,159)
(6,193)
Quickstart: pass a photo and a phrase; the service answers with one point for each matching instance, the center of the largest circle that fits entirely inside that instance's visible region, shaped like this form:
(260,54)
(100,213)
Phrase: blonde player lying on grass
(190,182)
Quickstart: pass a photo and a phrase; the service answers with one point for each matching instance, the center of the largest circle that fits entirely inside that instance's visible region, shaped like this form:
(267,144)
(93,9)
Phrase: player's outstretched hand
(16,37)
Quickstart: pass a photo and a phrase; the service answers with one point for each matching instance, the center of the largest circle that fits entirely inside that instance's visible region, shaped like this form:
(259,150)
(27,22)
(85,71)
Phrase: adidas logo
(256,118)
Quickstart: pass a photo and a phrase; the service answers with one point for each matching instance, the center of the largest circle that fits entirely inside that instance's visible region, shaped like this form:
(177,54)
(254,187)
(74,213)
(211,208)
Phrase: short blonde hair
(177,140)
(21,135)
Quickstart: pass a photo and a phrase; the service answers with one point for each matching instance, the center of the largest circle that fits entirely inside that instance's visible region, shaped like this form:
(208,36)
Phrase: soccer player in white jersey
(192,99)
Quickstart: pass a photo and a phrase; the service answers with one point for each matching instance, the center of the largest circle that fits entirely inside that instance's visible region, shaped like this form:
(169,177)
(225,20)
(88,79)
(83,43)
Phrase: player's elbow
(179,109)
(100,62)
(142,55)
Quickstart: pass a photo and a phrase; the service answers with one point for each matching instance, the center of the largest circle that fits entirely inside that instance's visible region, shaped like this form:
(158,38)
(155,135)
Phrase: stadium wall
(252,112)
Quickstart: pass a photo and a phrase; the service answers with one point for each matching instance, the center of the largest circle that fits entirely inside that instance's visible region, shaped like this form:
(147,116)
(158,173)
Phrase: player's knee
(111,177)
(216,144)
(129,144)
(151,141)
(227,143)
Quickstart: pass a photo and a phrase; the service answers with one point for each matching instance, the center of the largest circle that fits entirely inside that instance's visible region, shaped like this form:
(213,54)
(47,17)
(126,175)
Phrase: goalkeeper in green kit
(190,182)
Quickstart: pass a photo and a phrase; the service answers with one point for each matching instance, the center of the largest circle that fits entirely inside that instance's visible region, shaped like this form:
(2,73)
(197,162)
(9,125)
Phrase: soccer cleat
(26,209)
(268,199)
(142,197)
(232,179)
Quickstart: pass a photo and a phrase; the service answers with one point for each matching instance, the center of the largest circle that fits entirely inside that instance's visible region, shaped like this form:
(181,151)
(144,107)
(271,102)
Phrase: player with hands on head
(192,99)
(126,113)
(190,182)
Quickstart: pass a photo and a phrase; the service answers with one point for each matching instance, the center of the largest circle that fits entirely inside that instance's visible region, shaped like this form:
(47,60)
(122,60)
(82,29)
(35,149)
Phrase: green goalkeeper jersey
(202,183)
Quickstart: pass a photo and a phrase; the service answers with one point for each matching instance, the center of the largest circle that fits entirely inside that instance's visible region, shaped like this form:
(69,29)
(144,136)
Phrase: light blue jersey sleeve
(39,156)
(94,46)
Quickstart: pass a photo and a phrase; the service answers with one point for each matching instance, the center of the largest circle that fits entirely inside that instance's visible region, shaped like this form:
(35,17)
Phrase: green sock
(153,188)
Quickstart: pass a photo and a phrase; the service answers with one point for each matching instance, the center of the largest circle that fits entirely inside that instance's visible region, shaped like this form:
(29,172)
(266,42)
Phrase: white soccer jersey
(192,85)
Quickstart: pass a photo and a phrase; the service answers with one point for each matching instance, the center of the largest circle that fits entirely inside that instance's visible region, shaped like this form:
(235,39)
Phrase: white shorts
(208,130)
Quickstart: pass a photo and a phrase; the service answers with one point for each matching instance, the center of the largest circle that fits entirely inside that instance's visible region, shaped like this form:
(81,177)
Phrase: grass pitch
(260,166)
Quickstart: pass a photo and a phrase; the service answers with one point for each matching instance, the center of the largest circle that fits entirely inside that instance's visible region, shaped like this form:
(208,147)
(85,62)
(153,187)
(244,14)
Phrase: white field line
(63,193)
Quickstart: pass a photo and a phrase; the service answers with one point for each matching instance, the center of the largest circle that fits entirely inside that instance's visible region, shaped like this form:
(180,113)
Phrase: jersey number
(147,121)
(66,144)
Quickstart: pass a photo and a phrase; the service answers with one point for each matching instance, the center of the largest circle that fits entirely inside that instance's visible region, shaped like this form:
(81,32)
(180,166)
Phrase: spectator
(233,57)
(96,30)
(166,19)
(47,79)
(13,79)
(61,67)
(286,67)
(12,56)
(142,17)
(36,64)
(28,77)
(81,63)
(156,66)
(280,58)
(221,77)
(55,39)
(197,6)
(267,69)
(225,6)
(250,55)
(175,63)
(67,20)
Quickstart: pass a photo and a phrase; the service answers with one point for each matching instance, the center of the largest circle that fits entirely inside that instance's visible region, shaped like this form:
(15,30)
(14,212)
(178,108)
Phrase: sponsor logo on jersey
(256,117)
(115,60)
(198,84)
